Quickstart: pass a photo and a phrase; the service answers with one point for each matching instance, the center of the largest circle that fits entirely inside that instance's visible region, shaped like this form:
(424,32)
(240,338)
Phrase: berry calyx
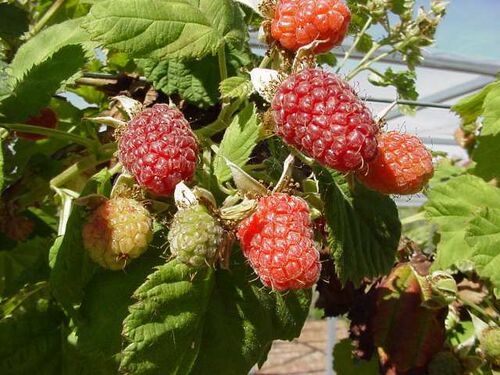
(47,118)
(320,114)
(159,149)
(277,239)
(195,236)
(490,346)
(297,23)
(402,166)
(119,229)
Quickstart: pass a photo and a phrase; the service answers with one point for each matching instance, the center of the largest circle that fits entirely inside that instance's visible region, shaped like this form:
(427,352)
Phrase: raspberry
(321,115)
(158,147)
(195,236)
(445,363)
(47,118)
(118,230)
(490,346)
(297,23)
(277,239)
(402,166)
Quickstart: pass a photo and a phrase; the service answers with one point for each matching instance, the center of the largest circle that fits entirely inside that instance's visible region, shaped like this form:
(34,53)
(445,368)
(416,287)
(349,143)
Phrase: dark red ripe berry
(402,166)
(159,148)
(46,119)
(321,115)
(277,239)
(297,23)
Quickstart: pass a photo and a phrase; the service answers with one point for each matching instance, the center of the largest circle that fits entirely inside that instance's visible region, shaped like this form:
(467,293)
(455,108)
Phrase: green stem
(365,63)
(46,17)
(478,309)
(355,43)
(413,218)
(221,56)
(53,133)
(222,122)
(84,164)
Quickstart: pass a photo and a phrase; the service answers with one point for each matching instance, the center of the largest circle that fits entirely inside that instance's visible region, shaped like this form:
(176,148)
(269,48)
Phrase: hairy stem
(354,44)
(52,133)
(84,164)
(47,16)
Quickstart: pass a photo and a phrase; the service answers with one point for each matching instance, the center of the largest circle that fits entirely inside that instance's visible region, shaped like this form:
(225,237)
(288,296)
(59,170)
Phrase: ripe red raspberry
(402,166)
(321,115)
(47,118)
(277,239)
(158,147)
(297,23)
(120,229)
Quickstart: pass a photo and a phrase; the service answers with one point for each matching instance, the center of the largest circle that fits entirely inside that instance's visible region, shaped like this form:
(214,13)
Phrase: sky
(470,28)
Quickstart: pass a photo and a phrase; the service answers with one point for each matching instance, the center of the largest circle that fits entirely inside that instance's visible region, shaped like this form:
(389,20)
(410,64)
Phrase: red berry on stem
(297,23)
(277,239)
(320,114)
(402,166)
(47,118)
(159,148)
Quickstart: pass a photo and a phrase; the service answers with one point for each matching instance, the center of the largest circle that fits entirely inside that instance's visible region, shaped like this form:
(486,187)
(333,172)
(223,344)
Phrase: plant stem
(46,17)
(52,133)
(81,166)
(413,218)
(222,121)
(221,56)
(355,43)
(365,63)
(478,309)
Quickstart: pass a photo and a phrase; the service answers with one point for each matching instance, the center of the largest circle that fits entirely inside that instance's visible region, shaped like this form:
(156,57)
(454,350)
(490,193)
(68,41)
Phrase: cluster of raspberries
(314,111)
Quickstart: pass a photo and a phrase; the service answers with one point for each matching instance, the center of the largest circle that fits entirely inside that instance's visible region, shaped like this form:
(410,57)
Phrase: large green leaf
(483,235)
(185,319)
(488,143)
(471,107)
(50,40)
(27,262)
(172,29)
(364,228)
(35,89)
(13,21)
(105,305)
(239,140)
(451,206)
(31,339)
(72,268)
(189,78)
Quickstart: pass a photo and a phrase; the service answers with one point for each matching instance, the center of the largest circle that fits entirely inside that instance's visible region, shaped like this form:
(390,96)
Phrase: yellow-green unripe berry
(195,236)
(119,229)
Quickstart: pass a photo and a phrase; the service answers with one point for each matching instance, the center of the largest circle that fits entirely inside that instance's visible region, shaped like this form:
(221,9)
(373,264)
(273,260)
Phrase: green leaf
(199,315)
(452,206)
(327,58)
(49,41)
(404,82)
(13,21)
(27,262)
(365,43)
(238,143)
(345,364)
(189,79)
(166,29)
(364,228)
(105,306)
(471,107)
(72,268)
(235,87)
(34,339)
(488,143)
(37,86)
(483,235)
